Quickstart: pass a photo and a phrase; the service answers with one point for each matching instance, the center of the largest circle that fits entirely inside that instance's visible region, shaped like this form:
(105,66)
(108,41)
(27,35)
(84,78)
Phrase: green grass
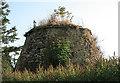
(101,70)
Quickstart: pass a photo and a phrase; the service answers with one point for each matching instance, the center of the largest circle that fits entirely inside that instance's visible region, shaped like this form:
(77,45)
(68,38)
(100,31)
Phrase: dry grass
(103,70)
(53,20)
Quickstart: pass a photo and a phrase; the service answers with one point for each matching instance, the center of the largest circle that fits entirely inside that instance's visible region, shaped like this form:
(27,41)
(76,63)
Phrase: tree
(63,13)
(8,36)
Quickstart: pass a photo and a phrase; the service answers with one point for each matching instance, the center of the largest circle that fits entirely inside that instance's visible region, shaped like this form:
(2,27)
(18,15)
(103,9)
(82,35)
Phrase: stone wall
(38,39)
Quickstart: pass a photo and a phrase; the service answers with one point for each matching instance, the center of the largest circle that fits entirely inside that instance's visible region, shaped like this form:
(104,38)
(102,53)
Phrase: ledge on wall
(54,26)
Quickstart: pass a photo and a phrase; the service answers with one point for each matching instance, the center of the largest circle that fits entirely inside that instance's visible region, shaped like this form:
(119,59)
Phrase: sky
(100,16)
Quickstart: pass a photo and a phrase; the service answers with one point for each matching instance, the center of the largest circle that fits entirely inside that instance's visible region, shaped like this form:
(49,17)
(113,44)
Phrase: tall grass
(54,20)
(102,70)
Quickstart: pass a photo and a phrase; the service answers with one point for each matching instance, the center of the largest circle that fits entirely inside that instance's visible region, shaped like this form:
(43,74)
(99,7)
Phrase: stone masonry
(38,39)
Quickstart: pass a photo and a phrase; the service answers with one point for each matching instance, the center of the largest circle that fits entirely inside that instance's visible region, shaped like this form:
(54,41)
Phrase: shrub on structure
(61,11)
(59,52)
(59,17)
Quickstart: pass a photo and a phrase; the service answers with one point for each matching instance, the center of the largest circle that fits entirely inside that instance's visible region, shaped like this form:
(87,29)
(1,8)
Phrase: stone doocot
(38,39)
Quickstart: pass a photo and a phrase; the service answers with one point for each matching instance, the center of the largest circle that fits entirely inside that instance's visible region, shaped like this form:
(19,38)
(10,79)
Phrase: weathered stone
(27,55)
(37,40)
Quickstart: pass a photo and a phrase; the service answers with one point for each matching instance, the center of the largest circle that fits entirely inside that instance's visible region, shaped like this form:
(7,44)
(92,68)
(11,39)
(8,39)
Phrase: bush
(59,52)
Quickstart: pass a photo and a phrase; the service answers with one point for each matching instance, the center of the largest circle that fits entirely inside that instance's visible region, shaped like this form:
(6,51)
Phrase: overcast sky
(100,16)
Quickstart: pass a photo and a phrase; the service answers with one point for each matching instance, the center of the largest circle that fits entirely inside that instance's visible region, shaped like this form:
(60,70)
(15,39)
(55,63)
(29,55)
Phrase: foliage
(59,52)
(59,17)
(9,35)
(103,70)
(62,13)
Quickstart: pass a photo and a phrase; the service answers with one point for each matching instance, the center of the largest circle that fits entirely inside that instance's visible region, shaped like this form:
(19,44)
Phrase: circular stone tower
(39,38)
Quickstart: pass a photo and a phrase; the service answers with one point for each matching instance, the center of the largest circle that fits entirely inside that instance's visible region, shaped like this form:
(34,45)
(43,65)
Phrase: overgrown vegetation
(59,52)
(59,17)
(103,70)
(96,70)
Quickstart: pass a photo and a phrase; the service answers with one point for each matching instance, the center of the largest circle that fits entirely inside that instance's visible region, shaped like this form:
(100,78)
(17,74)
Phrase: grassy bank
(101,70)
